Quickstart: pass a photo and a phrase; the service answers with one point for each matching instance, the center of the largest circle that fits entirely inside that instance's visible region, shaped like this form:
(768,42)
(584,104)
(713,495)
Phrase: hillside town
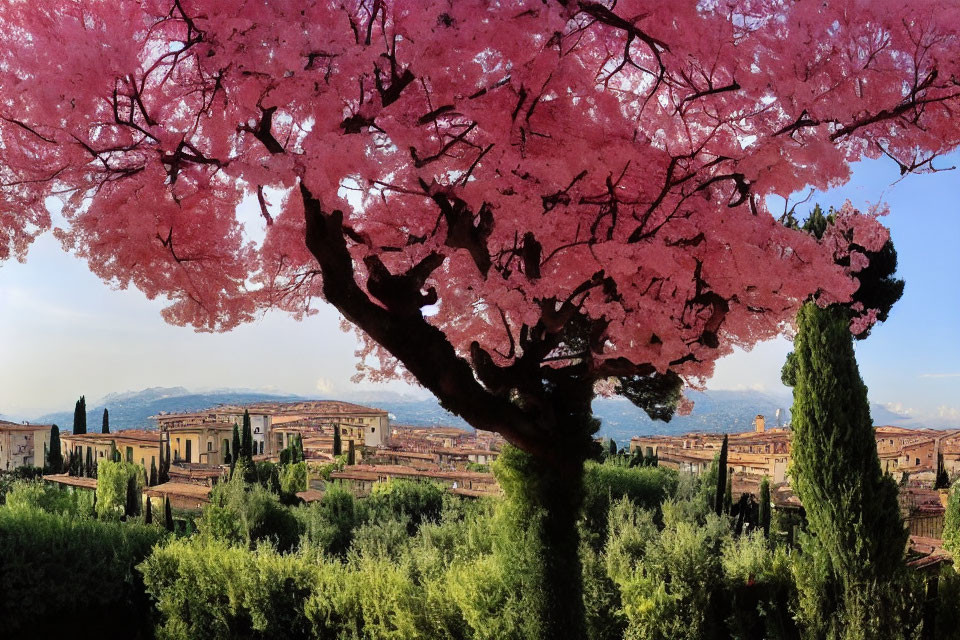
(342,442)
(912,456)
(358,447)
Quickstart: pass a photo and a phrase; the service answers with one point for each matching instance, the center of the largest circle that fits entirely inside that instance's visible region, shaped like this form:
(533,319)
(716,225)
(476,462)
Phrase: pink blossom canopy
(511,166)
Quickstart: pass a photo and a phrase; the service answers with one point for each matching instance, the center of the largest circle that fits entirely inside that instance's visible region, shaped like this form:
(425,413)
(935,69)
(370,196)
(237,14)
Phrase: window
(918,461)
(209,445)
(129,454)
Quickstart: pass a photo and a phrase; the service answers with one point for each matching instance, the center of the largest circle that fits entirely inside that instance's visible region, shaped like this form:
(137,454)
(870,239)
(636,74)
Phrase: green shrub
(605,483)
(207,588)
(63,574)
(113,479)
(240,513)
(52,499)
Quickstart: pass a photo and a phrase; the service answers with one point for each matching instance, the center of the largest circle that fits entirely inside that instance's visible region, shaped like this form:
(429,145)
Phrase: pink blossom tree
(517,203)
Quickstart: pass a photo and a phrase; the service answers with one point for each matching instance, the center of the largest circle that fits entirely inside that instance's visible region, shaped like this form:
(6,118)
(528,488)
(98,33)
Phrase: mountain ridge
(714,411)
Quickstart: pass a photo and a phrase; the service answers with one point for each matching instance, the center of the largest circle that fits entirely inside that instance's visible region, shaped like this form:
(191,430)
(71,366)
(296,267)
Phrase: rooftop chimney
(760,423)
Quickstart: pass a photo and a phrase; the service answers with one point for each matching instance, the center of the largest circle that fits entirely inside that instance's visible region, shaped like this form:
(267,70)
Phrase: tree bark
(548,415)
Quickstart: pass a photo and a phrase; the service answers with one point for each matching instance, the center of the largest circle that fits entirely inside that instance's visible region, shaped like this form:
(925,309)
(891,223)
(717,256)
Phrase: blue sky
(66,333)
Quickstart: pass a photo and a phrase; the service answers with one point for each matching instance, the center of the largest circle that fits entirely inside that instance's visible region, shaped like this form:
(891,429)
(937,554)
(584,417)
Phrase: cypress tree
(299,457)
(55,454)
(943,480)
(764,515)
(720,493)
(246,438)
(235,448)
(148,514)
(167,514)
(163,473)
(612,447)
(951,522)
(337,445)
(728,496)
(132,506)
(88,466)
(80,416)
(351,453)
(106,421)
(153,473)
(852,511)
(113,451)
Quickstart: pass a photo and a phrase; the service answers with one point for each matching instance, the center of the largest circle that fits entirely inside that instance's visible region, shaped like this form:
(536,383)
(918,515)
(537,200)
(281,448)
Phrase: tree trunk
(546,494)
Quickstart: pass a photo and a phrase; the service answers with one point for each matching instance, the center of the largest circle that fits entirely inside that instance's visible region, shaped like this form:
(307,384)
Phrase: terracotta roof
(310,495)
(125,435)
(200,492)
(72,481)
(18,426)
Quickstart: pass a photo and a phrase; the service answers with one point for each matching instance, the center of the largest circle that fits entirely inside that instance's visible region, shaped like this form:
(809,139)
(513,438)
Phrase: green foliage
(337,445)
(728,496)
(38,495)
(351,453)
(54,453)
(293,477)
(235,447)
(942,480)
(951,523)
(105,427)
(605,483)
(80,416)
(857,535)
(721,497)
(412,500)
(63,572)
(764,515)
(207,588)
(240,513)
(131,507)
(264,473)
(167,515)
(329,523)
(324,470)
(658,394)
(113,481)
(246,439)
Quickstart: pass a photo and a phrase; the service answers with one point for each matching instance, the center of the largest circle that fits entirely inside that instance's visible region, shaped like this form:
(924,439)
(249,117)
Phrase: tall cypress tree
(851,507)
(167,514)
(132,506)
(728,496)
(235,447)
(148,514)
(951,522)
(80,416)
(351,452)
(300,456)
(763,517)
(246,438)
(337,445)
(106,421)
(720,493)
(55,453)
(153,473)
(942,480)
(113,451)
(88,465)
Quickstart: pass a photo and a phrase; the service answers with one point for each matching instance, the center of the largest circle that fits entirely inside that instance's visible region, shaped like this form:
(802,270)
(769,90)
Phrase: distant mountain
(714,411)
(132,410)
